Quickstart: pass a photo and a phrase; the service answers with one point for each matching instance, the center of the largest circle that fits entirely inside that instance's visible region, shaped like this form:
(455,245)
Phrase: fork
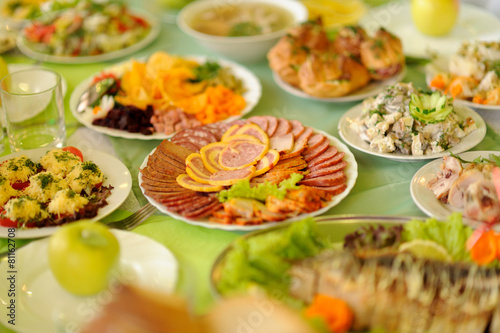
(127,223)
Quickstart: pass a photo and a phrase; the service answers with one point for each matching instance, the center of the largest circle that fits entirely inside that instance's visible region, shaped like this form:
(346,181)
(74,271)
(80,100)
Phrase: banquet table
(382,186)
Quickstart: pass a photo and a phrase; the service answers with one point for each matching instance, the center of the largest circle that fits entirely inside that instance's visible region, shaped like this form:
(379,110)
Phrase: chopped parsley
(207,71)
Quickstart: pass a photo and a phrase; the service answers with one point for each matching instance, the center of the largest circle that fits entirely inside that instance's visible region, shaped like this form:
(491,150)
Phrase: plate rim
(123,237)
(460,108)
(351,182)
(378,86)
(417,190)
(154,32)
(251,81)
(121,195)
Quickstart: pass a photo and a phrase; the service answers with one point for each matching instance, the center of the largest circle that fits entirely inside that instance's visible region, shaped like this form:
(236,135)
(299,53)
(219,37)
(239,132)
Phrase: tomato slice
(74,151)
(20,186)
(8,223)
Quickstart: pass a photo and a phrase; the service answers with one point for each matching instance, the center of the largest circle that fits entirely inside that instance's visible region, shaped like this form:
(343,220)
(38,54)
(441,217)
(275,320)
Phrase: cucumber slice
(430,108)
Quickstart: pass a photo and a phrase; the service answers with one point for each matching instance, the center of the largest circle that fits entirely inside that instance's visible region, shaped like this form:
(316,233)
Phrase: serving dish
(425,199)
(155,27)
(350,171)
(250,82)
(42,305)
(372,89)
(331,227)
(115,174)
(243,49)
(354,140)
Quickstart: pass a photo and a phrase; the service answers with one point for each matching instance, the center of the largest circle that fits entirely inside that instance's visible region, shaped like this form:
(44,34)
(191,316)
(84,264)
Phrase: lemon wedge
(425,249)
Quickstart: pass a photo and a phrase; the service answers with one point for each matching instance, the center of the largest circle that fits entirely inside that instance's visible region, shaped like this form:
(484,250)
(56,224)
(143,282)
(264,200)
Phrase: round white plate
(115,173)
(472,22)
(250,82)
(25,48)
(42,305)
(424,198)
(373,88)
(441,65)
(351,172)
(354,140)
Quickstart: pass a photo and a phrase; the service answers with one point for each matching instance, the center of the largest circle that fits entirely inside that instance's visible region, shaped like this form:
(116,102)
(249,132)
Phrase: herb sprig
(493,159)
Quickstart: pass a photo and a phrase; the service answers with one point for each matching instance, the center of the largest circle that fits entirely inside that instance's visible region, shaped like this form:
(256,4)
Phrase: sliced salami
(297,128)
(196,140)
(272,125)
(327,154)
(203,211)
(310,155)
(326,171)
(328,163)
(284,127)
(336,178)
(333,190)
(301,142)
(189,145)
(260,121)
(314,141)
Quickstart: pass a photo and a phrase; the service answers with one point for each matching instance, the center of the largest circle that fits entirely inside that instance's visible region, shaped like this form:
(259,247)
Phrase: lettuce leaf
(452,234)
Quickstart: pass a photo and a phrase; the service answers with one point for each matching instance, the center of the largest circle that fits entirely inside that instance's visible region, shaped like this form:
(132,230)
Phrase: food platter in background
(351,172)
(115,174)
(155,27)
(372,89)
(424,197)
(43,305)
(251,84)
(353,139)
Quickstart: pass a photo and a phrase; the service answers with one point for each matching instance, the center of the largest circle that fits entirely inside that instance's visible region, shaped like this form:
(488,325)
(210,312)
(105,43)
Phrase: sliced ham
(330,152)
(284,127)
(282,143)
(336,178)
(272,125)
(210,155)
(230,177)
(260,121)
(231,131)
(301,142)
(337,158)
(326,171)
(241,154)
(196,203)
(203,211)
(297,128)
(312,154)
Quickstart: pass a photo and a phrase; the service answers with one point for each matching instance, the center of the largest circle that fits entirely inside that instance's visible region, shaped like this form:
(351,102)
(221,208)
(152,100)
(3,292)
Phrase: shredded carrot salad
(166,80)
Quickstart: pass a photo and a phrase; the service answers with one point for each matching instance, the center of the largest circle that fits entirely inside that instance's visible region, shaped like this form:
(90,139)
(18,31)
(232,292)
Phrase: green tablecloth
(382,186)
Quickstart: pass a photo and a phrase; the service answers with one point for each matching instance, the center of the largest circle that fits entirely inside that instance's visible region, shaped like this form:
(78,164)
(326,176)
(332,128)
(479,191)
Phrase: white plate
(115,173)
(351,171)
(24,47)
(473,22)
(440,65)
(373,88)
(354,140)
(424,198)
(250,82)
(42,305)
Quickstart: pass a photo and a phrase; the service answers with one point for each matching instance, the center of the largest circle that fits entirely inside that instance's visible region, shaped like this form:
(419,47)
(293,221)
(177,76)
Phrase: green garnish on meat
(493,159)
(430,108)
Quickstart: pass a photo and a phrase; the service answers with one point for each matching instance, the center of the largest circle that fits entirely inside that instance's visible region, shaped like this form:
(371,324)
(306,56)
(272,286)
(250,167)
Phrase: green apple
(82,255)
(434,17)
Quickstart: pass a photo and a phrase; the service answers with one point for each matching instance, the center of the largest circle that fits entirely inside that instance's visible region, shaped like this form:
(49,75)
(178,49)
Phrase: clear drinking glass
(32,100)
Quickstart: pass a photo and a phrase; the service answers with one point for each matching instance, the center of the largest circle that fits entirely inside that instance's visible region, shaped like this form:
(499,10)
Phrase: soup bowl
(246,49)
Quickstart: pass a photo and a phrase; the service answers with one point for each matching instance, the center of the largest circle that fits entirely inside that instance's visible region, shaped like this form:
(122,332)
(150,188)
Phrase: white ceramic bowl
(242,49)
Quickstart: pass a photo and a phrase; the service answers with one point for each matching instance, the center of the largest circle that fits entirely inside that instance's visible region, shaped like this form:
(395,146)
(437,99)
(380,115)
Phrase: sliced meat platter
(185,175)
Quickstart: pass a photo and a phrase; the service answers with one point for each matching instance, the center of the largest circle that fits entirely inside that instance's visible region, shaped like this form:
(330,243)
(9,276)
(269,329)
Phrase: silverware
(127,223)
(93,93)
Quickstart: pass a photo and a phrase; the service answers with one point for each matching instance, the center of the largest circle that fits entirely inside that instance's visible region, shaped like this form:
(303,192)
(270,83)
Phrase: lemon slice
(336,12)
(425,249)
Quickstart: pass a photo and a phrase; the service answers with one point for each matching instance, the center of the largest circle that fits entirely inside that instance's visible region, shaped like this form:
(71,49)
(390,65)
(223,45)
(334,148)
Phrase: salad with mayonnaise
(405,120)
